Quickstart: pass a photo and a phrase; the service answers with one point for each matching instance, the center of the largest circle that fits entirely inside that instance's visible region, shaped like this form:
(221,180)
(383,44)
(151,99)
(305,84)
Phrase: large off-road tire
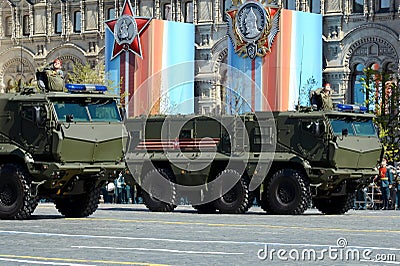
(77,206)
(335,205)
(159,195)
(16,199)
(286,192)
(206,208)
(236,200)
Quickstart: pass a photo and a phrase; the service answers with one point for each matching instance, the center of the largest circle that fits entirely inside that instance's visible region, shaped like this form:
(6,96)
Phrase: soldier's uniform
(50,77)
(325,102)
(385,179)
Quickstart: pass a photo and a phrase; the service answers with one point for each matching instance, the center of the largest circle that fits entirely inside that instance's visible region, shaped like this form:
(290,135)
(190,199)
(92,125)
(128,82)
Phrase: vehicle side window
(34,114)
(316,128)
(364,128)
(339,125)
(27,113)
(263,135)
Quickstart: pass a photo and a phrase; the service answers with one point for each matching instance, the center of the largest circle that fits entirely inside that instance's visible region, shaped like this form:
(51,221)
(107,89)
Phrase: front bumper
(332,180)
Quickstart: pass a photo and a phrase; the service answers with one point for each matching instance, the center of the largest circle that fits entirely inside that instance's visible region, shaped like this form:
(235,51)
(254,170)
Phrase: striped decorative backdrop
(284,77)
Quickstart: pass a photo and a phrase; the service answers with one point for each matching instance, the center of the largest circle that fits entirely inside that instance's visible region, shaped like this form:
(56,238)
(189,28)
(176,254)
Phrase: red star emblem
(127,30)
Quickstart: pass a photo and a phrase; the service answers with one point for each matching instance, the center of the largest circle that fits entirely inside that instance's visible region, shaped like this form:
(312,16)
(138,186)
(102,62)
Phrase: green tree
(86,74)
(384,90)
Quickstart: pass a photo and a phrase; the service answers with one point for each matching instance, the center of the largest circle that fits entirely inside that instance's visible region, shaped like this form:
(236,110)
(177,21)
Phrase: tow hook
(34,187)
(314,189)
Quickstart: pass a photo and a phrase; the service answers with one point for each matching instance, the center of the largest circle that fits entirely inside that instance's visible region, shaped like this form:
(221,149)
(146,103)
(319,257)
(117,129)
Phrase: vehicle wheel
(16,200)
(206,208)
(287,192)
(159,195)
(78,206)
(235,200)
(335,205)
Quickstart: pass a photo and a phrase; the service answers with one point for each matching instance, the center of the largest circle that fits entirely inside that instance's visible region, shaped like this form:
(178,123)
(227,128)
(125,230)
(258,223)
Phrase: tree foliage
(383,91)
(86,74)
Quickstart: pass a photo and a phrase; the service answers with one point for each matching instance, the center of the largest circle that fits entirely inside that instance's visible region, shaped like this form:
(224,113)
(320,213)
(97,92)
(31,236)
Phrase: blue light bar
(351,108)
(85,88)
(344,107)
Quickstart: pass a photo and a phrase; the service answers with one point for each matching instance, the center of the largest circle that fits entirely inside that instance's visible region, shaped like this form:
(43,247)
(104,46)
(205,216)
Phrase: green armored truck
(286,160)
(60,146)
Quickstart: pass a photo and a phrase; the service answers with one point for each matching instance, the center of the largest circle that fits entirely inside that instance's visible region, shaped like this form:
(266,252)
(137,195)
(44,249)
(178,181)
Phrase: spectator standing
(392,188)
(110,190)
(397,188)
(121,193)
(385,178)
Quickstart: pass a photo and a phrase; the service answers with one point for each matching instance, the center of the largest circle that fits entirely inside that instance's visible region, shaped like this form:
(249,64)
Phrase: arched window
(359,93)
(375,87)
(77,21)
(111,13)
(224,8)
(25,25)
(384,5)
(189,12)
(315,6)
(358,6)
(290,4)
(8,26)
(58,23)
(167,12)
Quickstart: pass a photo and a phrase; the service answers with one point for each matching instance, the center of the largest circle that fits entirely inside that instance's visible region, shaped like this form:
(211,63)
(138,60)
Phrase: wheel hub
(7,195)
(230,196)
(285,193)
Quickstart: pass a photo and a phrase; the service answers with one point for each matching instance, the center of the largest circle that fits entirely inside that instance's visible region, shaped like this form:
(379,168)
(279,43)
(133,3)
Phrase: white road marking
(227,242)
(161,250)
(381,261)
(42,262)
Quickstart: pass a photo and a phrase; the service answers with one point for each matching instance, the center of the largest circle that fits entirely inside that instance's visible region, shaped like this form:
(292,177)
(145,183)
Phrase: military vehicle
(286,160)
(60,146)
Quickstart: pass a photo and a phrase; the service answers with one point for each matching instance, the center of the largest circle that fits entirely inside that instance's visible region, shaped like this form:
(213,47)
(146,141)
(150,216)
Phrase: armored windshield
(355,127)
(102,110)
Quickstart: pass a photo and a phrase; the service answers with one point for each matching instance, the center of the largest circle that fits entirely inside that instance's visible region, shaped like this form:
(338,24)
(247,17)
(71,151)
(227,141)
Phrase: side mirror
(69,118)
(345,132)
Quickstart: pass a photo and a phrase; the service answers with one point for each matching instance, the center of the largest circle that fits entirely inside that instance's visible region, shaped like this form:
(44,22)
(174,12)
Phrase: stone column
(195,18)
(217,11)
(157,13)
(101,16)
(49,27)
(83,16)
(1,22)
(371,7)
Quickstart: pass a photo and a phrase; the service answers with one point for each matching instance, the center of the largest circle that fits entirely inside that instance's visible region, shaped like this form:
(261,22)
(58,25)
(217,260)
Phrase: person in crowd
(392,188)
(397,187)
(384,178)
(110,188)
(138,194)
(121,193)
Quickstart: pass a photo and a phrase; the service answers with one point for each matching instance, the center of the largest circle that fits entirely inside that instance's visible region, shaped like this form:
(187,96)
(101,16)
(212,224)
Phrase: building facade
(356,34)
